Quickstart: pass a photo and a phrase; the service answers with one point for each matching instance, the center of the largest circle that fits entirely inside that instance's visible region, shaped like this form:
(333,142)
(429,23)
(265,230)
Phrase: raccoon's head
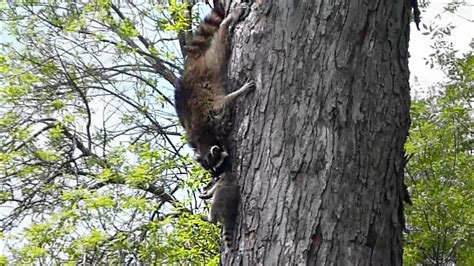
(216,156)
(213,160)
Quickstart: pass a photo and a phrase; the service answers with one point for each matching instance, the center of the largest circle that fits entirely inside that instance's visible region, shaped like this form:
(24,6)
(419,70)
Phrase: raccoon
(216,161)
(200,97)
(224,205)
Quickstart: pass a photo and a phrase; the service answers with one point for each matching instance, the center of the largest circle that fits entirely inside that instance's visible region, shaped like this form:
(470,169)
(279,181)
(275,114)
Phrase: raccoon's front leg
(248,86)
(209,192)
(229,98)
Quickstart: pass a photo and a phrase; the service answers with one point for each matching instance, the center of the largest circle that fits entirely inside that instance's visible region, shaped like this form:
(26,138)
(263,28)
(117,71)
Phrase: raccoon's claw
(250,83)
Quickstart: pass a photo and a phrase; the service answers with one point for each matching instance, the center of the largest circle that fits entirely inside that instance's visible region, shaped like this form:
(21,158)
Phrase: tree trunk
(319,143)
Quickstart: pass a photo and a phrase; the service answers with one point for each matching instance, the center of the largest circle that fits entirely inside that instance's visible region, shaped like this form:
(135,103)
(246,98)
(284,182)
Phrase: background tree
(440,148)
(92,168)
(440,172)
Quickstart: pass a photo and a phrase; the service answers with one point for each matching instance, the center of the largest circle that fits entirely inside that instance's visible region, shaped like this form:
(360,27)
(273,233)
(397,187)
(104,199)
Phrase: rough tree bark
(319,143)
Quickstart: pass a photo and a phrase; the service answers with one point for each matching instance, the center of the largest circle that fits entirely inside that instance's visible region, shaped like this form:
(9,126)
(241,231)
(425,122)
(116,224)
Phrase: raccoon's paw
(249,85)
(205,217)
(250,82)
(241,11)
(205,195)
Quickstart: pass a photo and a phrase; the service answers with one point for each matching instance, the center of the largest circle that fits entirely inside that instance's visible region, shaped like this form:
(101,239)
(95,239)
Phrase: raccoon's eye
(210,158)
(204,161)
(205,164)
(199,159)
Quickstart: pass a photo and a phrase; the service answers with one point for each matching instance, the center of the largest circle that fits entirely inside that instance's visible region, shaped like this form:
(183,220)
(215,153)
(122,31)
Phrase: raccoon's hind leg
(217,54)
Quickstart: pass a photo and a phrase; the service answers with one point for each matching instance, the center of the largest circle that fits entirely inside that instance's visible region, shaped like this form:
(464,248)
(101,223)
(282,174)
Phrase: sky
(419,46)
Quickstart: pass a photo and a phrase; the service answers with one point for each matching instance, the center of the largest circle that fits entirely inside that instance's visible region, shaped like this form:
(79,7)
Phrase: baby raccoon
(225,195)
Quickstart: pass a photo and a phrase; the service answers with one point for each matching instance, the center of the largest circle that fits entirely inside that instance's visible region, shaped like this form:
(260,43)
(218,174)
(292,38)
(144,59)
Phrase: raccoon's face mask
(213,159)
(216,156)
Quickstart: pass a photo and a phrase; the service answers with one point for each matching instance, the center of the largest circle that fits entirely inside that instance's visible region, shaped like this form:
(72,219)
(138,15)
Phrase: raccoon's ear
(215,151)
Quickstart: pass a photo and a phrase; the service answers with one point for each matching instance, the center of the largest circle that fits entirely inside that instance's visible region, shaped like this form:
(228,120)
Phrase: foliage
(92,165)
(440,221)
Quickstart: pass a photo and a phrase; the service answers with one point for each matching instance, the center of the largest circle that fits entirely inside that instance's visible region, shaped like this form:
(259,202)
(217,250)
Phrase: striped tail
(208,27)
(228,237)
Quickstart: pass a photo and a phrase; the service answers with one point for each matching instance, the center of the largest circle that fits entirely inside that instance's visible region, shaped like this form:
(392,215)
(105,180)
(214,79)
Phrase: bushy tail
(228,237)
(203,37)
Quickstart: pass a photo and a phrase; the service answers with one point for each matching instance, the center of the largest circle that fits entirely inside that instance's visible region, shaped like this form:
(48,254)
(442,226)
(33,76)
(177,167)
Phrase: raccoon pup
(224,205)
(200,97)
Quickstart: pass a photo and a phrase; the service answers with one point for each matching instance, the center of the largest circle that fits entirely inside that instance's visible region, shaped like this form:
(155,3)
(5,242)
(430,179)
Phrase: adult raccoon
(200,97)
